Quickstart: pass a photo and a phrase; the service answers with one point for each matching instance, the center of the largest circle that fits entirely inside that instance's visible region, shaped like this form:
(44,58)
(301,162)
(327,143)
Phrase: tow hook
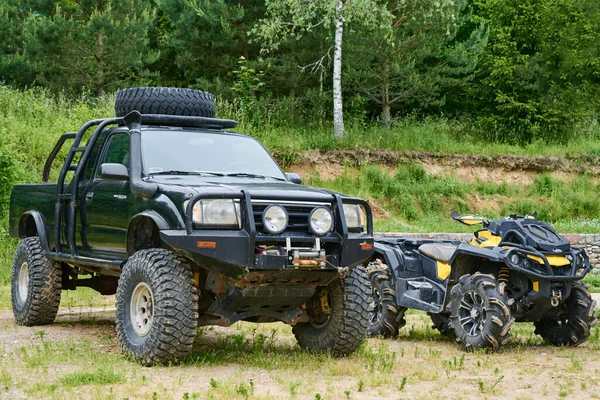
(343,271)
(556,298)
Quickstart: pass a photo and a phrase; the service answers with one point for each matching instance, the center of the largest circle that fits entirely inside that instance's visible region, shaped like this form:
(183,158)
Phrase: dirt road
(78,357)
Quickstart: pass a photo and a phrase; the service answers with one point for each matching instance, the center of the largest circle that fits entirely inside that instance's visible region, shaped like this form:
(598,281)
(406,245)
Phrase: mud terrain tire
(479,314)
(157,307)
(386,317)
(36,284)
(441,322)
(163,100)
(345,328)
(574,328)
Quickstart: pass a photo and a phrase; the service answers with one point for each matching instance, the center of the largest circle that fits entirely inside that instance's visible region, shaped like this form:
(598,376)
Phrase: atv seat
(440,252)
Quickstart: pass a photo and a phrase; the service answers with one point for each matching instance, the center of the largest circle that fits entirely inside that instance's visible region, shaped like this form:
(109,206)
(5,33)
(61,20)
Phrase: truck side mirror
(293,177)
(114,172)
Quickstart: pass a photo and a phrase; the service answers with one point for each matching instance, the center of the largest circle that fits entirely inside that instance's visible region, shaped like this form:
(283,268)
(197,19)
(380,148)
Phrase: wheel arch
(143,231)
(390,256)
(467,260)
(33,223)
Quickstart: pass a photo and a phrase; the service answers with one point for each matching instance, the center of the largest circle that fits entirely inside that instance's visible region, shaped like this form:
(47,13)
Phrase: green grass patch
(101,376)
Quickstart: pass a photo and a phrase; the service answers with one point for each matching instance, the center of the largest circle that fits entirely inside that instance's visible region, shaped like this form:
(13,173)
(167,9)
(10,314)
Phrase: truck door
(105,213)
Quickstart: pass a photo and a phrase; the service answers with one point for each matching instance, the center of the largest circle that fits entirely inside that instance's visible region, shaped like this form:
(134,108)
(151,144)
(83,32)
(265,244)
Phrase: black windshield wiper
(247,175)
(173,172)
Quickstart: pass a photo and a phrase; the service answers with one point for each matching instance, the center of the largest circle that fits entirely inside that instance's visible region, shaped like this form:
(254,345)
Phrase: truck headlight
(320,221)
(216,213)
(275,219)
(355,216)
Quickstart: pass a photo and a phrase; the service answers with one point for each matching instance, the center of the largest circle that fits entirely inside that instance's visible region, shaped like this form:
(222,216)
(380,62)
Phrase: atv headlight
(216,213)
(355,216)
(320,221)
(515,259)
(275,219)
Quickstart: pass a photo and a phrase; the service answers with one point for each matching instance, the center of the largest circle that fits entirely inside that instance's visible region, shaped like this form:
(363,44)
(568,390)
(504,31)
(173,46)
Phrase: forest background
(483,77)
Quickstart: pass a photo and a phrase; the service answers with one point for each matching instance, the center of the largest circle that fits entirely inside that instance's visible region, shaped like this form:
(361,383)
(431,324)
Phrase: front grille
(297,213)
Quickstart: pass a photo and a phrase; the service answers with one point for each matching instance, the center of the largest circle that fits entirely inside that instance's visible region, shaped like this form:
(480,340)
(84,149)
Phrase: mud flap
(421,294)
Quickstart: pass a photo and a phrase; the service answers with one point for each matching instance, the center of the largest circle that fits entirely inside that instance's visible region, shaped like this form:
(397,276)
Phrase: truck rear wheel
(344,328)
(157,307)
(386,317)
(36,284)
(164,100)
(479,314)
(573,326)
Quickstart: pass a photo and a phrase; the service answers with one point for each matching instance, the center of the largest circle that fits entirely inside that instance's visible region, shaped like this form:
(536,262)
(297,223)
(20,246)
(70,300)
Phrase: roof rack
(185,121)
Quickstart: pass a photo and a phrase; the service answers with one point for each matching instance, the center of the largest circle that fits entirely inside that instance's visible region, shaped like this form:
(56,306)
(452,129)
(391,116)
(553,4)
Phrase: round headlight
(320,221)
(275,219)
(515,259)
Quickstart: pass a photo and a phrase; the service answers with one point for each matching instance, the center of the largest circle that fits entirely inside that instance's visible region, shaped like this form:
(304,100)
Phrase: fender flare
(160,222)
(40,226)
(391,256)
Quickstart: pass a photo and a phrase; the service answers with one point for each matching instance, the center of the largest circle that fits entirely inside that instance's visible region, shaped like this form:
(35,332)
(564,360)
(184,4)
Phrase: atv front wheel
(479,314)
(572,326)
(386,317)
(342,326)
(157,307)
(36,284)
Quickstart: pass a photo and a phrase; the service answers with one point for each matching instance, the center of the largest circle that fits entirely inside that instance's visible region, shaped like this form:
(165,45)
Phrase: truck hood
(264,188)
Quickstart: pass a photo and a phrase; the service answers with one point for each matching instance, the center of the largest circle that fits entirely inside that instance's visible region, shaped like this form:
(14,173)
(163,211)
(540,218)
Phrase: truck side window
(118,149)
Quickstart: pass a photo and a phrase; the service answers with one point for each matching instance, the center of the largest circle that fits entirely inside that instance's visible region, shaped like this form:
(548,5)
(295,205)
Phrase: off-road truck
(189,224)
(514,269)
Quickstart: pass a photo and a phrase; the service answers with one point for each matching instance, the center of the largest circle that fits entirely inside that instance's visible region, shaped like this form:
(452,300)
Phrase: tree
(539,75)
(201,41)
(293,18)
(91,45)
(423,58)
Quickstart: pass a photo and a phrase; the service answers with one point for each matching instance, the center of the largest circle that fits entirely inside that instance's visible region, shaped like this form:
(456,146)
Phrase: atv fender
(469,259)
(391,256)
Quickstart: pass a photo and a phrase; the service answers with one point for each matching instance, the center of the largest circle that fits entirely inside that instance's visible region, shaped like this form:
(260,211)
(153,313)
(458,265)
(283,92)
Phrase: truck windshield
(181,152)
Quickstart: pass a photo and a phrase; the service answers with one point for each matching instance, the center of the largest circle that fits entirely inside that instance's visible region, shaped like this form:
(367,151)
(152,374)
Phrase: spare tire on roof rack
(166,101)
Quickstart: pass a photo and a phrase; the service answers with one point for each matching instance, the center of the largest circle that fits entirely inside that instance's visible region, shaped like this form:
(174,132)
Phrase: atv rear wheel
(573,326)
(344,328)
(479,314)
(36,284)
(386,317)
(441,322)
(157,307)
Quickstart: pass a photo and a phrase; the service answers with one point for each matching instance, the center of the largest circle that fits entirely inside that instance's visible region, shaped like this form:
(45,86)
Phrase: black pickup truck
(189,224)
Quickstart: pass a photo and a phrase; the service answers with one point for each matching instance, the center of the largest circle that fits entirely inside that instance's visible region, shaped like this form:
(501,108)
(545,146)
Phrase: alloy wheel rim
(472,313)
(141,309)
(23,282)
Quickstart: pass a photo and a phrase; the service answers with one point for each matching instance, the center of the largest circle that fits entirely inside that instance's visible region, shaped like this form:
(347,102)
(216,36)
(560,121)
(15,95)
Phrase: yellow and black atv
(515,269)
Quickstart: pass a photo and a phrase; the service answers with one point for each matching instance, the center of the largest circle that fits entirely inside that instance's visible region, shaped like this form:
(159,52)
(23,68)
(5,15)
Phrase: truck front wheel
(340,317)
(36,284)
(157,307)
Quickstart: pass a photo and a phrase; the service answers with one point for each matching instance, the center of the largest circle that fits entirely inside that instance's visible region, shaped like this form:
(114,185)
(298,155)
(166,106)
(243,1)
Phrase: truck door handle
(89,195)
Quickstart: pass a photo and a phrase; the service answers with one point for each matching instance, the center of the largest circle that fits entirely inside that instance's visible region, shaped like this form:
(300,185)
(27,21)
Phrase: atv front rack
(580,264)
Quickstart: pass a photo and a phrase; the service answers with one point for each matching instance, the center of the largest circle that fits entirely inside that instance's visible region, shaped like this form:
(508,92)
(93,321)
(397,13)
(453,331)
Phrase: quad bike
(515,269)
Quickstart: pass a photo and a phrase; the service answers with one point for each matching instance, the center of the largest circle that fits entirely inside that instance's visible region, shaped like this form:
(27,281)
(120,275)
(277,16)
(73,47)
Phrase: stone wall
(590,242)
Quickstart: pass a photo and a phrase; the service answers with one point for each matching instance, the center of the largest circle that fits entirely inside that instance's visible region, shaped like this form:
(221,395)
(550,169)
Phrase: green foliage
(7,178)
(538,76)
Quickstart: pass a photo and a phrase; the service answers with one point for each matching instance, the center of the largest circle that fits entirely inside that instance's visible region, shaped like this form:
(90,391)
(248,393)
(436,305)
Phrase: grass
(251,361)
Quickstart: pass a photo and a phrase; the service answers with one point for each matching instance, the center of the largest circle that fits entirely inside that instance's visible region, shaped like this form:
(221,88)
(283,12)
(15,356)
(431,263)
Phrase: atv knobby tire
(36,284)
(441,322)
(163,100)
(157,307)
(573,327)
(386,316)
(345,328)
(479,314)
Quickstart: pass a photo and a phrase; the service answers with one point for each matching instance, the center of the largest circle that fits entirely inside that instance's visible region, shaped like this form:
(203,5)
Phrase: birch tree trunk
(338,110)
